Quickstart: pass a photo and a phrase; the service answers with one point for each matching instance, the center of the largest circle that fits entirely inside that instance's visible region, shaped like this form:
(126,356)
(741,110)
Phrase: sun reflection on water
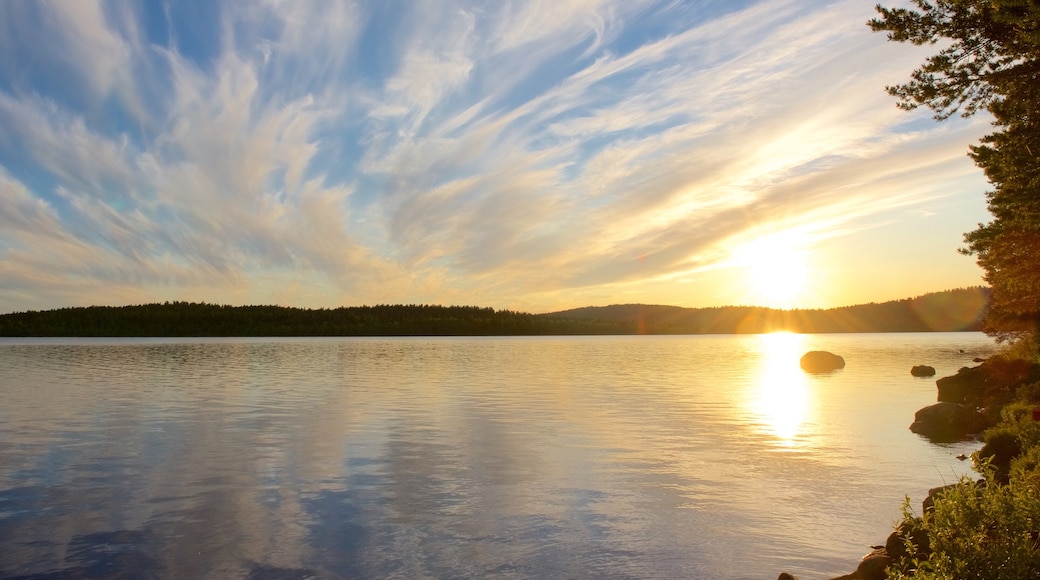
(782,399)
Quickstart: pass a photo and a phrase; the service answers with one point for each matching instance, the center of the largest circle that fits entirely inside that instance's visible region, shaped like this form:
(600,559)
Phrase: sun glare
(775,270)
(782,399)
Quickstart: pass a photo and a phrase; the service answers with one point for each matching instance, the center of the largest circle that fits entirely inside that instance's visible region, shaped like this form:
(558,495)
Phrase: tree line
(201,319)
(952,310)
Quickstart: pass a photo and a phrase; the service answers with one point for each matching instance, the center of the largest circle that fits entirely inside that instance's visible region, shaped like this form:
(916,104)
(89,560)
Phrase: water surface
(547,457)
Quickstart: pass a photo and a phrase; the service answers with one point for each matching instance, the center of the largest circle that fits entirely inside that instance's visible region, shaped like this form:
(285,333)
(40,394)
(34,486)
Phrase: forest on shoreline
(948,311)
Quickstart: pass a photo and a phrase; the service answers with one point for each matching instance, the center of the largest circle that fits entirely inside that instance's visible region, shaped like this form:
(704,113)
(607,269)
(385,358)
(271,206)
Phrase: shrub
(1002,446)
(1025,470)
(1029,393)
(1018,419)
(1024,347)
(979,531)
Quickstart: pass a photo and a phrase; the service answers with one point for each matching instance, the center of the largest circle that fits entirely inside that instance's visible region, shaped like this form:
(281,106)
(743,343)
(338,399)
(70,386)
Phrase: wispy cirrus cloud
(528,154)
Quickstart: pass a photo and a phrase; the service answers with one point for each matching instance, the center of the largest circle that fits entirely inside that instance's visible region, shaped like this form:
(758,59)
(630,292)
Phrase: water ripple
(605,457)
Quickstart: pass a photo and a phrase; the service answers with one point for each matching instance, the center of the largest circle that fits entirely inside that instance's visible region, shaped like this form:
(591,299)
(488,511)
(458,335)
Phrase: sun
(775,269)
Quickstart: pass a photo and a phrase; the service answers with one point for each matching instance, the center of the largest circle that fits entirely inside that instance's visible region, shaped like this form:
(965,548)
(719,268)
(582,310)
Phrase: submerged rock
(821,361)
(922,371)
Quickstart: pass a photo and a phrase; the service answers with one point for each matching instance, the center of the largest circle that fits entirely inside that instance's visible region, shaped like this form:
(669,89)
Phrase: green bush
(1029,393)
(987,530)
(1025,470)
(1003,444)
(1017,418)
(1024,347)
(981,531)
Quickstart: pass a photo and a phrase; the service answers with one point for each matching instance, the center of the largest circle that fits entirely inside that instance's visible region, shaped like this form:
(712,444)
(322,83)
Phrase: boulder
(1001,448)
(821,361)
(993,380)
(929,502)
(944,421)
(787,576)
(874,566)
(896,544)
(922,371)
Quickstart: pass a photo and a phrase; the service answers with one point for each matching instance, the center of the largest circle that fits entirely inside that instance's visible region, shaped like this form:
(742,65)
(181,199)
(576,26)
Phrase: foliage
(1001,448)
(991,61)
(1026,469)
(1008,248)
(990,51)
(979,531)
(1026,348)
(1029,393)
(1017,419)
(988,529)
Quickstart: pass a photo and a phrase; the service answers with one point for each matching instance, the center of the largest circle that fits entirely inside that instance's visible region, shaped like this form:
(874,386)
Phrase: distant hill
(952,310)
(948,311)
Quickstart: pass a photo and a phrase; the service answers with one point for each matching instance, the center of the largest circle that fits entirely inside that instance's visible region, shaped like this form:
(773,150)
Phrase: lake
(513,457)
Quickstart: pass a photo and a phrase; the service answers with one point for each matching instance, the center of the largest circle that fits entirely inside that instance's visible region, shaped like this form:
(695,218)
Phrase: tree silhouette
(990,61)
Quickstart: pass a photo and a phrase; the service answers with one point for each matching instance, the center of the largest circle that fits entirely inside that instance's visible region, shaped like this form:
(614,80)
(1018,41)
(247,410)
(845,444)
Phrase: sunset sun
(775,270)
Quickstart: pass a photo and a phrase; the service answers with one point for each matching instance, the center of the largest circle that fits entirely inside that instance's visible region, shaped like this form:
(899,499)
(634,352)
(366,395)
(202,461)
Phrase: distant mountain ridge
(951,310)
(948,311)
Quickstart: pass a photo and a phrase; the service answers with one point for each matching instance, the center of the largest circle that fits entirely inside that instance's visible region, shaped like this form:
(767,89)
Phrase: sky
(532,155)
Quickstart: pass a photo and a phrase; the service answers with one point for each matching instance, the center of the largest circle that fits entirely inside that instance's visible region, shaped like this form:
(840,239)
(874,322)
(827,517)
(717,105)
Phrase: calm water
(563,457)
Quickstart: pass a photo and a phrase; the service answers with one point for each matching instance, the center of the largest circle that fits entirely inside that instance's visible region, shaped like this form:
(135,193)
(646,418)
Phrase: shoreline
(969,404)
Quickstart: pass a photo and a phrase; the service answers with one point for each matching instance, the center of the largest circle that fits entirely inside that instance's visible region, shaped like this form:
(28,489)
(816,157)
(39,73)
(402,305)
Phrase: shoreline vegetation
(986,528)
(948,311)
(988,59)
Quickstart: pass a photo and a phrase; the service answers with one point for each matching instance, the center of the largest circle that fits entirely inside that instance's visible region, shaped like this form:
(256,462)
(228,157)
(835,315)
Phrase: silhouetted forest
(949,311)
(952,310)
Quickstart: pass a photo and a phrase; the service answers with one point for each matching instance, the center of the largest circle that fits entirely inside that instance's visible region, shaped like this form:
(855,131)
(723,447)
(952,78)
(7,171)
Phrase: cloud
(509,155)
(23,215)
(521,24)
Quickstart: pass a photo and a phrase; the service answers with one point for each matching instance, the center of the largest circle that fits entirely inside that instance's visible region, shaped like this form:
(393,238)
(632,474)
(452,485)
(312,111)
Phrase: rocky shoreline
(968,403)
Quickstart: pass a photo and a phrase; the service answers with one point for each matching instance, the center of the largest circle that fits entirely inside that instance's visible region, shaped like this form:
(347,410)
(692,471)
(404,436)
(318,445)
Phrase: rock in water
(821,361)
(873,567)
(944,421)
(922,371)
(997,378)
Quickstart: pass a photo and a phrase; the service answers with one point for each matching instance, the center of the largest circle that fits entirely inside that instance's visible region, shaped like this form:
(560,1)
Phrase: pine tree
(990,61)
